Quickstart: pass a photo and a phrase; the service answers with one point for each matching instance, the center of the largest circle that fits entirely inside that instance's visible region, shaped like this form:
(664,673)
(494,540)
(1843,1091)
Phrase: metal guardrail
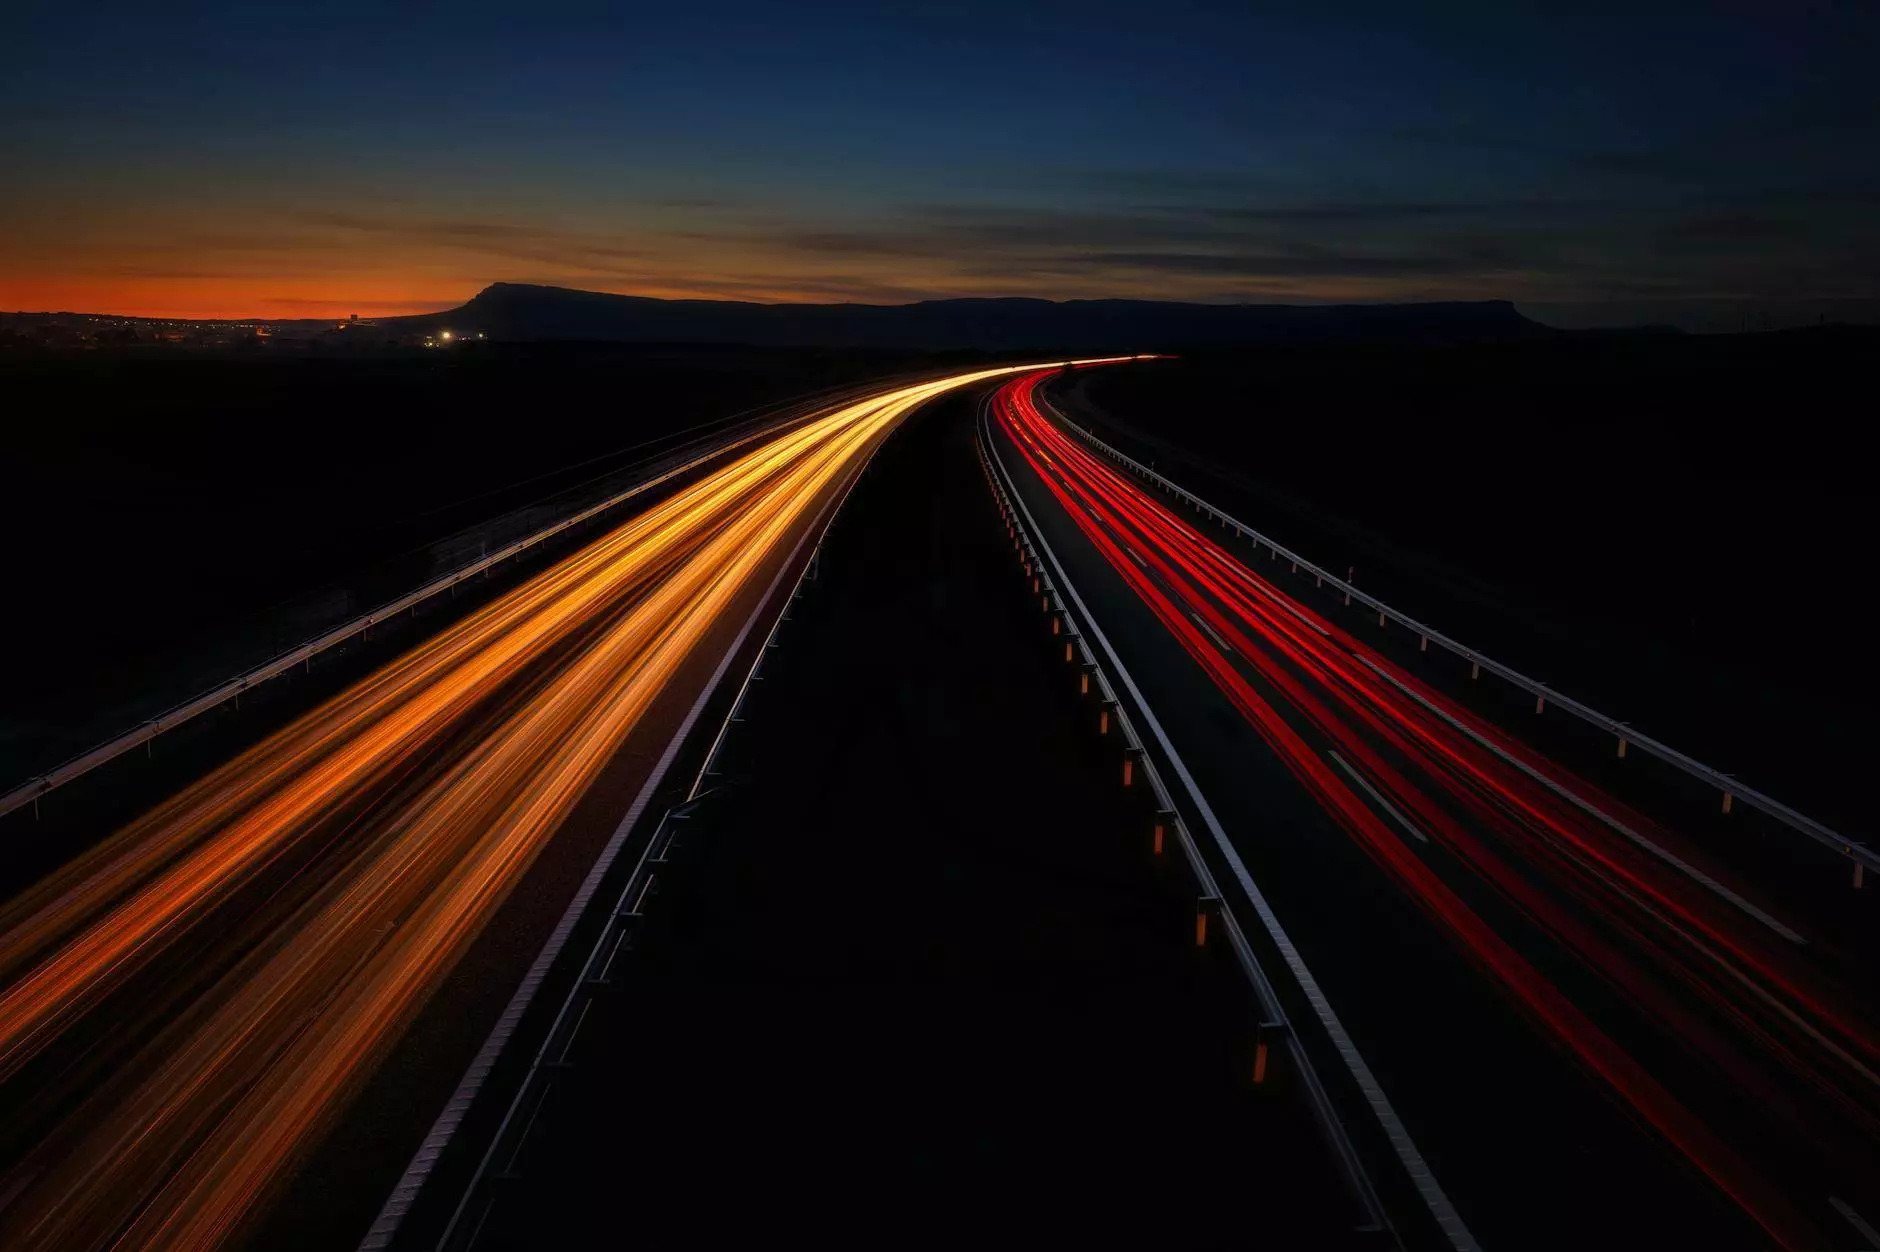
(1211,908)
(36,788)
(499,1160)
(1732,790)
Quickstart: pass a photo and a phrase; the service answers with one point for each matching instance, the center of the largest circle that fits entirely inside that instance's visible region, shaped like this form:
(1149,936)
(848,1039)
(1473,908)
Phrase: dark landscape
(938,626)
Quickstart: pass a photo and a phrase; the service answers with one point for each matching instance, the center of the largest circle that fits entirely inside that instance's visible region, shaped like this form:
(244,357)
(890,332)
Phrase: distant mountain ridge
(515,311)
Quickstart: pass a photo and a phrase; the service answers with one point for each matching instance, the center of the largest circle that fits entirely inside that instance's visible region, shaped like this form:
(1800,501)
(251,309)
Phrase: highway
(912,977)
(1587,1024)
(188,1005)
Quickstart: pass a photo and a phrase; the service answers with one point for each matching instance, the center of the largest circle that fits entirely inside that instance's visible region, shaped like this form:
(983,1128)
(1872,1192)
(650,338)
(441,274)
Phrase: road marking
(1855,1220)
(1219,642)
(1664,854)
(1373,792)
(1421,1177)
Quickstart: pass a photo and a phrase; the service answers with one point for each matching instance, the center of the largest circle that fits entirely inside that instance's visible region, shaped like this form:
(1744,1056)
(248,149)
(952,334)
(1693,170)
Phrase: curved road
(1587,1026)
(186,1007)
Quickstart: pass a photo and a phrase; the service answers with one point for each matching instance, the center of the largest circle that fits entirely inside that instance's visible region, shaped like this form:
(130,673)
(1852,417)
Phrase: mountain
(513,311)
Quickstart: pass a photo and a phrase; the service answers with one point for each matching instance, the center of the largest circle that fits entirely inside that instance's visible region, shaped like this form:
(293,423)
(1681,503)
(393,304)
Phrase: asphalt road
(187,1008)
(1589,1044)
(914,979)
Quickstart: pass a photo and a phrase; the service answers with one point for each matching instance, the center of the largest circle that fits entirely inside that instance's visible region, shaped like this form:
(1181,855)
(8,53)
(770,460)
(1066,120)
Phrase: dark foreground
(916,982)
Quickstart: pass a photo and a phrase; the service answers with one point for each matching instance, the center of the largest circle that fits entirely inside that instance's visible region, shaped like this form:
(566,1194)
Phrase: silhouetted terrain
(1674,529)
(514,311)
(519,312)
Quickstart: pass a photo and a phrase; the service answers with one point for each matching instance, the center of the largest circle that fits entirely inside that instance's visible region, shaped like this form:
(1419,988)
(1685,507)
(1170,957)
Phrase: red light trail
(1703,964)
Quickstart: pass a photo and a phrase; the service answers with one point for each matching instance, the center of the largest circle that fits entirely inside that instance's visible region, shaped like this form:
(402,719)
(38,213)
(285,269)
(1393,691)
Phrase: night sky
(1645,161)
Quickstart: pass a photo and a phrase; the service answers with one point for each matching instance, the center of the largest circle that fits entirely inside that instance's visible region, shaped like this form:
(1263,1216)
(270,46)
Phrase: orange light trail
(258,941)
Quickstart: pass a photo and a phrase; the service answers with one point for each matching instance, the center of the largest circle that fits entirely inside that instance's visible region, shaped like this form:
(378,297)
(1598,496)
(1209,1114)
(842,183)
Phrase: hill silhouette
(513,311)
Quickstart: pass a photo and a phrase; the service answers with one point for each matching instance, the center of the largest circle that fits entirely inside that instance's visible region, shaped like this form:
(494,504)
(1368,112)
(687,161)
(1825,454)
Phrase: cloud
(521,241)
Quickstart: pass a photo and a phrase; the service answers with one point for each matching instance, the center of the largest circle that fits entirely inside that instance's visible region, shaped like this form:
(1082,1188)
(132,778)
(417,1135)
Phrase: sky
(1596,163)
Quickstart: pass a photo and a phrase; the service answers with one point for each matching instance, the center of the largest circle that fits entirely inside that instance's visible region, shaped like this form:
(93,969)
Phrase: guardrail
(1732,791)
(36,788)
(1138,771)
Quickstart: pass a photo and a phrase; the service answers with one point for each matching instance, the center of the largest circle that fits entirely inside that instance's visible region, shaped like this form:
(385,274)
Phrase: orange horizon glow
(370,292)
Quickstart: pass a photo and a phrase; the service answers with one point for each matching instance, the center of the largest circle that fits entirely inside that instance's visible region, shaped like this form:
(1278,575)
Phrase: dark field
(173,519)
(1675,530)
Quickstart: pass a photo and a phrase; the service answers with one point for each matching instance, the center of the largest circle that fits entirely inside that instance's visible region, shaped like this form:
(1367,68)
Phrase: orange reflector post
(1159,828)
(1083,683)
(1129,770)
(1103,721)
(1259,1063)
(1727,800)
(1203,907)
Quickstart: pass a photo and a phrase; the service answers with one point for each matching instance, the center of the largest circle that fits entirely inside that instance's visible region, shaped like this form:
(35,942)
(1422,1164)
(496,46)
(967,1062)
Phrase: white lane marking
(1855,1220)
(1219,642)
(1418,1169)
(1664,854)
(1376,795)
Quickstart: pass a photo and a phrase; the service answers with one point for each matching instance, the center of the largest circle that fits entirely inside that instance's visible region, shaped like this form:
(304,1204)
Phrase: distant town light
(445,336)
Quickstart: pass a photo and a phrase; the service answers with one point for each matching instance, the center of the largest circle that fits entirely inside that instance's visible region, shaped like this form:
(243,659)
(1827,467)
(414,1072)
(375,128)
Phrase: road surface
(187,1006)
(1587,1026)
(915,979)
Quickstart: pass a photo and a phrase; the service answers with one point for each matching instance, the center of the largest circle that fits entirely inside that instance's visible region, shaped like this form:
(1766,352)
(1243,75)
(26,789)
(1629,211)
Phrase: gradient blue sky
(1592,162)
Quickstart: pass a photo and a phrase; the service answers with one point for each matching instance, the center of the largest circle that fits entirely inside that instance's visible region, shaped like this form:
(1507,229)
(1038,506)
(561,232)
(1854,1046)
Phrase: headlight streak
(331,875)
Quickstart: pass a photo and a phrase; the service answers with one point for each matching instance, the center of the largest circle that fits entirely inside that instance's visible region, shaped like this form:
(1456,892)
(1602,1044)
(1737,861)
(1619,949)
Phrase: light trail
(1700,966)
(186,1007)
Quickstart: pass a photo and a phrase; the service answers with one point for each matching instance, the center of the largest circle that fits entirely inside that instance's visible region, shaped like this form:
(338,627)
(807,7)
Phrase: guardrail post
(1622,747)
(1475,669)
(1424,644)
(1540,702)
(1103,717)
(1728,799)
(1083,680)
(1204,907)
(1259,1050)
(1860,871)
(1380,617)
(1165,817)
(1129,766)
